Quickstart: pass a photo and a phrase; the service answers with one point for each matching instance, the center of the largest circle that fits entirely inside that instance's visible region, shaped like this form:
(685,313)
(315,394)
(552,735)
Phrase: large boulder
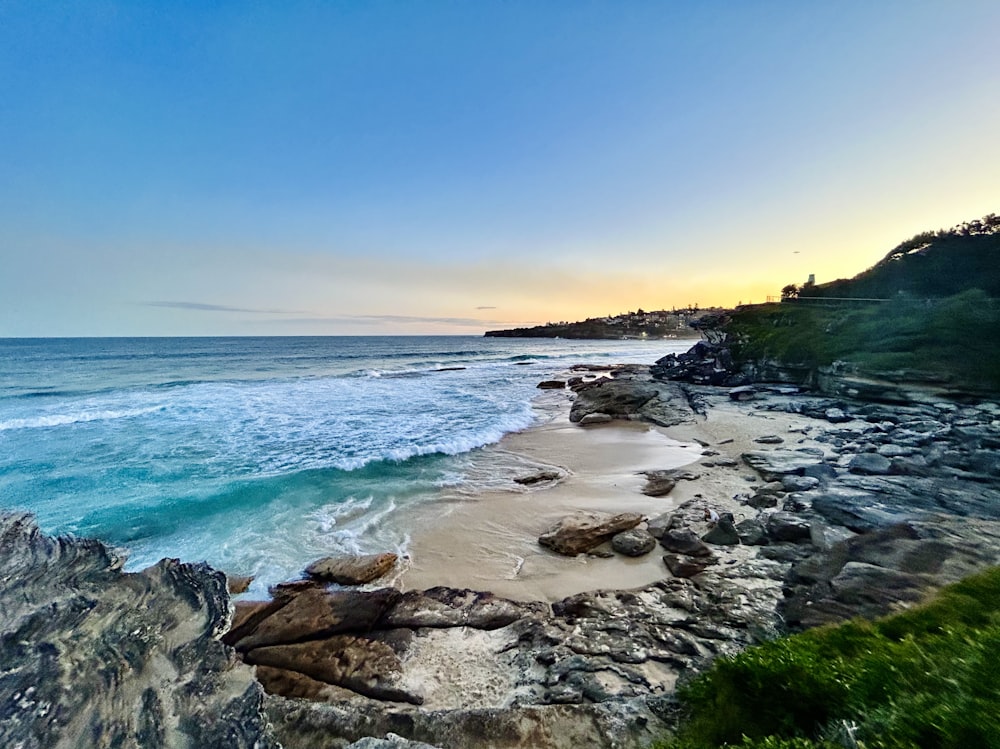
(94,656)
(723,533)
(353,570)
(584,531)
(871,464)
(455,607)
(633,543)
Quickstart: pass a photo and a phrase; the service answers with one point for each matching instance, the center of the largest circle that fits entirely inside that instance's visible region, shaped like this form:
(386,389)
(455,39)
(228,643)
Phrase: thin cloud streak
(203,307)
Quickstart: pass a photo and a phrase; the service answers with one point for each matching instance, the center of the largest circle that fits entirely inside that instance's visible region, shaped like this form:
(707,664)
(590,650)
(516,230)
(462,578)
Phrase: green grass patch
(928,677)
(954,338)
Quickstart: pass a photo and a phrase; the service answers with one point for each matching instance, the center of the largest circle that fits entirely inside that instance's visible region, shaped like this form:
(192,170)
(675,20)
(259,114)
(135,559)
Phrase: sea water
(259,455)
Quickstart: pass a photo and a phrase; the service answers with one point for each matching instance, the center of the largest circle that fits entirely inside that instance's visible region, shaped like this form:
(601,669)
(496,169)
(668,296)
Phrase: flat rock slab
(583,531)
(317,613)
(775,464)
(364,666)
(538,478)
(353,570)
(456,607)
(681,565)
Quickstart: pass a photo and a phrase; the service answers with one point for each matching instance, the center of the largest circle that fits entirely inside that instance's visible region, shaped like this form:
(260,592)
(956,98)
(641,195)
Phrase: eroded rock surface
(93,656)
(584,531)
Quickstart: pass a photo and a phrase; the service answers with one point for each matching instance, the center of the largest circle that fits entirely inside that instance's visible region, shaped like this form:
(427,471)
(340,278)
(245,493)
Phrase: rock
(583,531)
(763,500)
(316,613)
(794,483)
(773,465)
(595,418)
(660,525)
(752,532)
(723,533)
(237,584)
(784,526)
(537,478)
(769,439)
(871,464)
(364,666)
(742,393)
(836,415)
(93,656)
(356,570)
(391,741)
(684,541)
(681,565)
(633,543)
(658,484)
(551,385)
(455,607)
(617,398)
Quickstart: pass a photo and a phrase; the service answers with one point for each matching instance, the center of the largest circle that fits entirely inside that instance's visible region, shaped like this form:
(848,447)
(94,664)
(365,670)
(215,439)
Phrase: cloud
(398,319)
(485,307)
(202,307)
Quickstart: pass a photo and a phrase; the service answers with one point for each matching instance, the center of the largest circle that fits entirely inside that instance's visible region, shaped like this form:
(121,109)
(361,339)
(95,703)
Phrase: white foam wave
(78,417)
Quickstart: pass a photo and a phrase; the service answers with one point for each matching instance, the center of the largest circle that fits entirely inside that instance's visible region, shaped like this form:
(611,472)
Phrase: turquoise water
(260,454)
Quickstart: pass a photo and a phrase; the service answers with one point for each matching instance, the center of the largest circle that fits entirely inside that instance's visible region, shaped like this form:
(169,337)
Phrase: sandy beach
(489,541)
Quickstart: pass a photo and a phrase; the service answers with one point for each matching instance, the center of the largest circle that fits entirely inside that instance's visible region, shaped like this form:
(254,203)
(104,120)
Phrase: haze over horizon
(262,168)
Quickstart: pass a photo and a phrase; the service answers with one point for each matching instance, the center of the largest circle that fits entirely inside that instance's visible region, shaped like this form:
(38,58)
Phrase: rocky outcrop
(632,397)
(91,655)
(584,531)
(353,570)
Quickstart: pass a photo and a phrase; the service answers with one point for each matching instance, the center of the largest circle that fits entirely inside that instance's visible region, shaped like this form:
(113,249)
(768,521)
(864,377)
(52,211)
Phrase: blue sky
(412,167)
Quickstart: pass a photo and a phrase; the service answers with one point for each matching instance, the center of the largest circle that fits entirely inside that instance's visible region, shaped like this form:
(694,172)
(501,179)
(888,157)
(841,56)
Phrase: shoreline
(489,540)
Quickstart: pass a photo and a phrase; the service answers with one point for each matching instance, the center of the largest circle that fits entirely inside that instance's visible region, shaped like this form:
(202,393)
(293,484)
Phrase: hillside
(638,324)
(929,265)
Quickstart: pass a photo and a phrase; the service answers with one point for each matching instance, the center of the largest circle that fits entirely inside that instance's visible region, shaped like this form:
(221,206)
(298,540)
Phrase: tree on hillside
(791,291)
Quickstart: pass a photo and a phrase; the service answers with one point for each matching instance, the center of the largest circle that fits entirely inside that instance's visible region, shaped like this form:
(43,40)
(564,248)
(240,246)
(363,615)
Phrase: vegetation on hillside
(924,678)
(639,324)
(931,264)
(953,338)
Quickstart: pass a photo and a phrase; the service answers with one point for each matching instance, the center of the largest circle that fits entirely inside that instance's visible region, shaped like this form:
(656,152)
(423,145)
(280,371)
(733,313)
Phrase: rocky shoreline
(817,510)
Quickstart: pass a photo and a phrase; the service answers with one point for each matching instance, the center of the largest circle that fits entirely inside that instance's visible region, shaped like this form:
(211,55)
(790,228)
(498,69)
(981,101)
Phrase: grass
(927,678)
(954,338)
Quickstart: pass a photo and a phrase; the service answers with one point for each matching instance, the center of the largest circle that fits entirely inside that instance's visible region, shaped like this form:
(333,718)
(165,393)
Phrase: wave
(80,417)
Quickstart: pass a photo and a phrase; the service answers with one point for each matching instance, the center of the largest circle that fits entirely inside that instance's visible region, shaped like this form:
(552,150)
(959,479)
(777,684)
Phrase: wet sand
(489,541)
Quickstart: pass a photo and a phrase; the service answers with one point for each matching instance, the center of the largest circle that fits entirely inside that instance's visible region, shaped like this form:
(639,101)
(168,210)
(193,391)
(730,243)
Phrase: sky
(373,167)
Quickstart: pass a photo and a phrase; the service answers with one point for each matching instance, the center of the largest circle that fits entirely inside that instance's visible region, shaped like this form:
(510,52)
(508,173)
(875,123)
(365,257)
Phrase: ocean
(260,455)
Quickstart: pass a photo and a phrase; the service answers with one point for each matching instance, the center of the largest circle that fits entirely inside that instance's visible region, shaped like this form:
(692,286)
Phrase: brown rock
(681,565)
(238,584)
(246,617)
(318,613)
(293,684)
(658,486)
(356,570)
(364,666)
(537,478)
(583,531)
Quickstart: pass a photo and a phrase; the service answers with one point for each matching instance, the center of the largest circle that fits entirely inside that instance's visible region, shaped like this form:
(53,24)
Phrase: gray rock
(583,531)
(391,741)
(93,655)
(723,533)
(660,525)
(455,607)
(769,439)
(684,541)
(659,484)
(799,483)
(773,465)
(595,418)
(784,526)
(551,385)
(353,570)
(633,543)
(836,415)
(752,532)
(870,464)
